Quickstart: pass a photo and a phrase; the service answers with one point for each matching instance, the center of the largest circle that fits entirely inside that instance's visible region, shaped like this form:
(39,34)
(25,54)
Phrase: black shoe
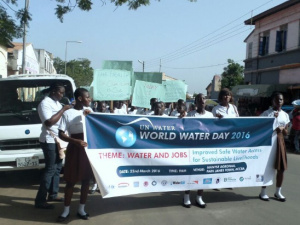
(279,199)
(264,199)
(83,217)
(56,199)
(92,192)
(201,205)
(61,219)
(44,206)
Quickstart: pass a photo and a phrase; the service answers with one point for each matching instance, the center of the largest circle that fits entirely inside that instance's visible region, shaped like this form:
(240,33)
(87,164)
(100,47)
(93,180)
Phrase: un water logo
(126,136)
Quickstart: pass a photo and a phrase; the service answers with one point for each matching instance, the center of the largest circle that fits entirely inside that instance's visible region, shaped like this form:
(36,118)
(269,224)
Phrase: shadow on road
(22,208)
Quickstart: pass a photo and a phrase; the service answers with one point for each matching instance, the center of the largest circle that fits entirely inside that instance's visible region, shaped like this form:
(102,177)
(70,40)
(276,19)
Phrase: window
(264,43)
(281,36)
(249,50)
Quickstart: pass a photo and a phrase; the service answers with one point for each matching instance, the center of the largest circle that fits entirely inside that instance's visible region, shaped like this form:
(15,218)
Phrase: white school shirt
(132,112)
(177,114)
(119,111)
(71,121)
(174,113)
(229,112)
(281,121)
(149,113)
(194,113)
(46,109)
(167,111)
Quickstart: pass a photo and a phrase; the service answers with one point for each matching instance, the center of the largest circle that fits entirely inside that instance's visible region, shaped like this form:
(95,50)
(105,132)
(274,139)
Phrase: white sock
(278,192)
(263,193)
(199,200)
(186,199)
(66,211)
(81,209)
(94,187)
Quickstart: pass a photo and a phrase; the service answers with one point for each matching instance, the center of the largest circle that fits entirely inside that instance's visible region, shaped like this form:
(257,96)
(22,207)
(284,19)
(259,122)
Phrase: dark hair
(275,94)
(53,88)
(180,101)
(223,92)
(79,92)
(156,109)
(153,100)
(117,104)
(197,96)
(56,86)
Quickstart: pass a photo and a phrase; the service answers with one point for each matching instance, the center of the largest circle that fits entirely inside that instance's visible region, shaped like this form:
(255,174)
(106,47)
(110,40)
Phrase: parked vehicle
(20,125)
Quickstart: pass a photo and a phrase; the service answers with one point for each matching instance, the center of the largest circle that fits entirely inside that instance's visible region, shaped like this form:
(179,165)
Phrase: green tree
(232,75)
(80,70)
(8,27)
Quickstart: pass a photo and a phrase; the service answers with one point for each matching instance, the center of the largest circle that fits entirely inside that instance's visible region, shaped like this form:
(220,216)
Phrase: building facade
(4,58)
(15,56)
(273,47)
(213,89)
(45,61)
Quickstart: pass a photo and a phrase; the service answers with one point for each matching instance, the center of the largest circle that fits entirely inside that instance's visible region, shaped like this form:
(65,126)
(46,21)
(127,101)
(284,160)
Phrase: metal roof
(271,11)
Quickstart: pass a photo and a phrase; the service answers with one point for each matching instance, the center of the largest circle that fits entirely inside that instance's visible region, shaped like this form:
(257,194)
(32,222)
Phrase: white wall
(289,76)
(3,61)
(32,64)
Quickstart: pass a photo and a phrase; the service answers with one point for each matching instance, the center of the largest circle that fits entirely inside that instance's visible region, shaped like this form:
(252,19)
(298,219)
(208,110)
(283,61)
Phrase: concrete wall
(32,64)
(3,61)
(289,76)
(290,16)
(268,69)
(46,61)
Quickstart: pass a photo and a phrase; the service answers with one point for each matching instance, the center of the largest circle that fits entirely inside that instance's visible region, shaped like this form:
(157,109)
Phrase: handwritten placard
(110,84)
(174,90)
(144,91)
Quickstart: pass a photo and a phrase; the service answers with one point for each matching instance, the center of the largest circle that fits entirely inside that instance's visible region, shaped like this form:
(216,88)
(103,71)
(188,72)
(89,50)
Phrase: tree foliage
(66,6)
(80,70)
(9,29)
(232,75)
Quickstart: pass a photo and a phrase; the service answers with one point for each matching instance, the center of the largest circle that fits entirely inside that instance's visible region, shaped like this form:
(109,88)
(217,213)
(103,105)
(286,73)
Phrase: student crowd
(65,122)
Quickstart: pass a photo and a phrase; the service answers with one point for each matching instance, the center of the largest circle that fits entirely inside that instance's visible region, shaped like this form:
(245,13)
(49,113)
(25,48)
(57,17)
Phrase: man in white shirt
(50,112)
(176,112)
(151,111)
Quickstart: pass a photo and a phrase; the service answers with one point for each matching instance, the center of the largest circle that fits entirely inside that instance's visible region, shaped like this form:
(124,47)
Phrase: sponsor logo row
(259,178)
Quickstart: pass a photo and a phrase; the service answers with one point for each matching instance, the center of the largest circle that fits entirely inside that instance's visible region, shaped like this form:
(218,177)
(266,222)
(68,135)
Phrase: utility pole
(143,63)
(160,65)
(24,40)
(66,50)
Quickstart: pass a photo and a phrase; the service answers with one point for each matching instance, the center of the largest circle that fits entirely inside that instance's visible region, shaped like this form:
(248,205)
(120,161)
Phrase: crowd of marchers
(65,122)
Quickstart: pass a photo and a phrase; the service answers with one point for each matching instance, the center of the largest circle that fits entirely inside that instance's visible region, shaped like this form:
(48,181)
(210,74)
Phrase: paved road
(240,206)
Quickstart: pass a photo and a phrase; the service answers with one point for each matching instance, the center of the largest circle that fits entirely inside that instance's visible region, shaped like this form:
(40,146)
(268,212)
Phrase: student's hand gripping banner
(136,154)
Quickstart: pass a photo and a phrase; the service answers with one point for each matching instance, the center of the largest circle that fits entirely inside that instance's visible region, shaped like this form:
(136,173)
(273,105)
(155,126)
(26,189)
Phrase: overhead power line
(190,48)
(200,67)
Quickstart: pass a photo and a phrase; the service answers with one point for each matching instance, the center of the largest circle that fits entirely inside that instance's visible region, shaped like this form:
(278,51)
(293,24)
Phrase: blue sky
(193,40)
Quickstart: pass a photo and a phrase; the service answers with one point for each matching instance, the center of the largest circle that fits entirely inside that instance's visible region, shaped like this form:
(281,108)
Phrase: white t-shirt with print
(281,121)
(46,109)
(194,113)
(229,112)
(149,112)
(71,121)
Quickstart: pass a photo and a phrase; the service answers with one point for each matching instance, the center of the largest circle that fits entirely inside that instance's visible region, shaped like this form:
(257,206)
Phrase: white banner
(131,154)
